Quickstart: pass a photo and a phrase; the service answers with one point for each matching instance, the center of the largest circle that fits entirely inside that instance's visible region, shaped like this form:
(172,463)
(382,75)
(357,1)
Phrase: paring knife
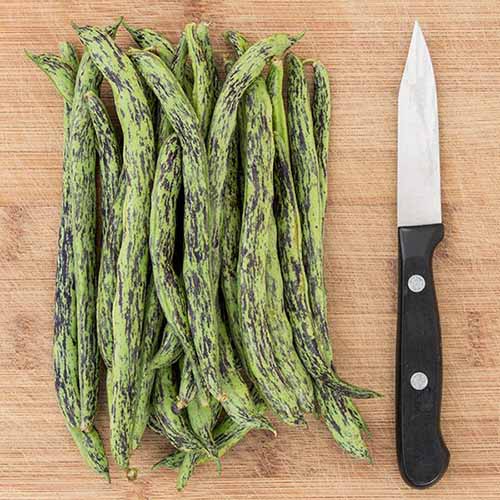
(422,454)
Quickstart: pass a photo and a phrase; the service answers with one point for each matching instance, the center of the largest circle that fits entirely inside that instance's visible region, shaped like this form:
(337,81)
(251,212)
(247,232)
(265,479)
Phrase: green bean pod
(230,245)
(203,35)
(321,116)
(69,55)
(110,169)
(239,404)
(244,71)
(274,83)
(65,342)
(227,434)
(178,66)
(257,151)
(202,419)
(297,302)
(305,170)
(132,265)
(187,388)
(197,255)
(147,38)
(170,424)
(337,414)
(109,153)
(280,330)
(152,327)
(203,90)
(169,285)
(82,153)
(60,73)
(169,352)
(91,448)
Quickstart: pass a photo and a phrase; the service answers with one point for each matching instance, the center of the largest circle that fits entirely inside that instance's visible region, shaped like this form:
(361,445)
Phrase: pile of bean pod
(205,296)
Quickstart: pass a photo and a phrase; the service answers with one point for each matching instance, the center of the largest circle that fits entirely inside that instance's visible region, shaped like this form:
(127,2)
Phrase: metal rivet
(416,283)
(419,381)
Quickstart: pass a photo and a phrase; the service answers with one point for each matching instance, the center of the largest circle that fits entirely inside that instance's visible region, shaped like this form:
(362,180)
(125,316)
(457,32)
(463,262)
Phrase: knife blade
(422,454)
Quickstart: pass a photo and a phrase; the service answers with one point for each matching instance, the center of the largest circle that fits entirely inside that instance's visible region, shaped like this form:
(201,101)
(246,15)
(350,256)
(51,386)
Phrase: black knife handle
(422,455)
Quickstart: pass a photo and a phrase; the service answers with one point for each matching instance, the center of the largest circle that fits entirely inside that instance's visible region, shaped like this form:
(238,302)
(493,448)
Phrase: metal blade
(419,190)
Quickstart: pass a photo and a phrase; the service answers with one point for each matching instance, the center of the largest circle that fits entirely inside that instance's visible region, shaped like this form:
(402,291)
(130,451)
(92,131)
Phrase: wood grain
(364,45)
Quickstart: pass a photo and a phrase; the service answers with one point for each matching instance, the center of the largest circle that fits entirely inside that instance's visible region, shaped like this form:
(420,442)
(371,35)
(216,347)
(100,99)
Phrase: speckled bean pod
(170,424)
(295,282)
(203,90)
(280,330)
(197,255)
(169,285)
(69,55)
(65,342)
(321,115)
(203,35)
(110,168)
(82,157)
(257,150)
(61,73)
(227,434)
(153,323)
(245,70)
(230,247)
(147,38)
(239,404)
(305,171)
(132,266)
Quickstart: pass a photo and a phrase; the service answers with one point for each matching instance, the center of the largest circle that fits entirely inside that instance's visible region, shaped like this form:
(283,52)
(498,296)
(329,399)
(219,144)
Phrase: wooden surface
(364,43)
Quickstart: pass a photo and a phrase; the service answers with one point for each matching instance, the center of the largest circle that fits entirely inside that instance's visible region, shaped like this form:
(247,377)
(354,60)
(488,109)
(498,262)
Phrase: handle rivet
(419,381)
(416,283)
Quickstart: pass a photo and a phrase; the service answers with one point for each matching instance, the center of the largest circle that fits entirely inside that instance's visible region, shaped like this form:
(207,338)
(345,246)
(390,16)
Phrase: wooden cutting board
(364,44)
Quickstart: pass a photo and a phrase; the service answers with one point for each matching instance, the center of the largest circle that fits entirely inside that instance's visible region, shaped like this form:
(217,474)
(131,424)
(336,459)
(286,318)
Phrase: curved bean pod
(169,286)
(170,424)
(321,115)
(132,265)
(203,91)
(91,448)
(340,417)
(257,150)
(60,73)
(65,342)
(147,38)
(280,330)
(305,170)
(197,255)
(69,55)
(227,434)
(112,192)
(297,300)
(244,71)
(153,323)
(169,352)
